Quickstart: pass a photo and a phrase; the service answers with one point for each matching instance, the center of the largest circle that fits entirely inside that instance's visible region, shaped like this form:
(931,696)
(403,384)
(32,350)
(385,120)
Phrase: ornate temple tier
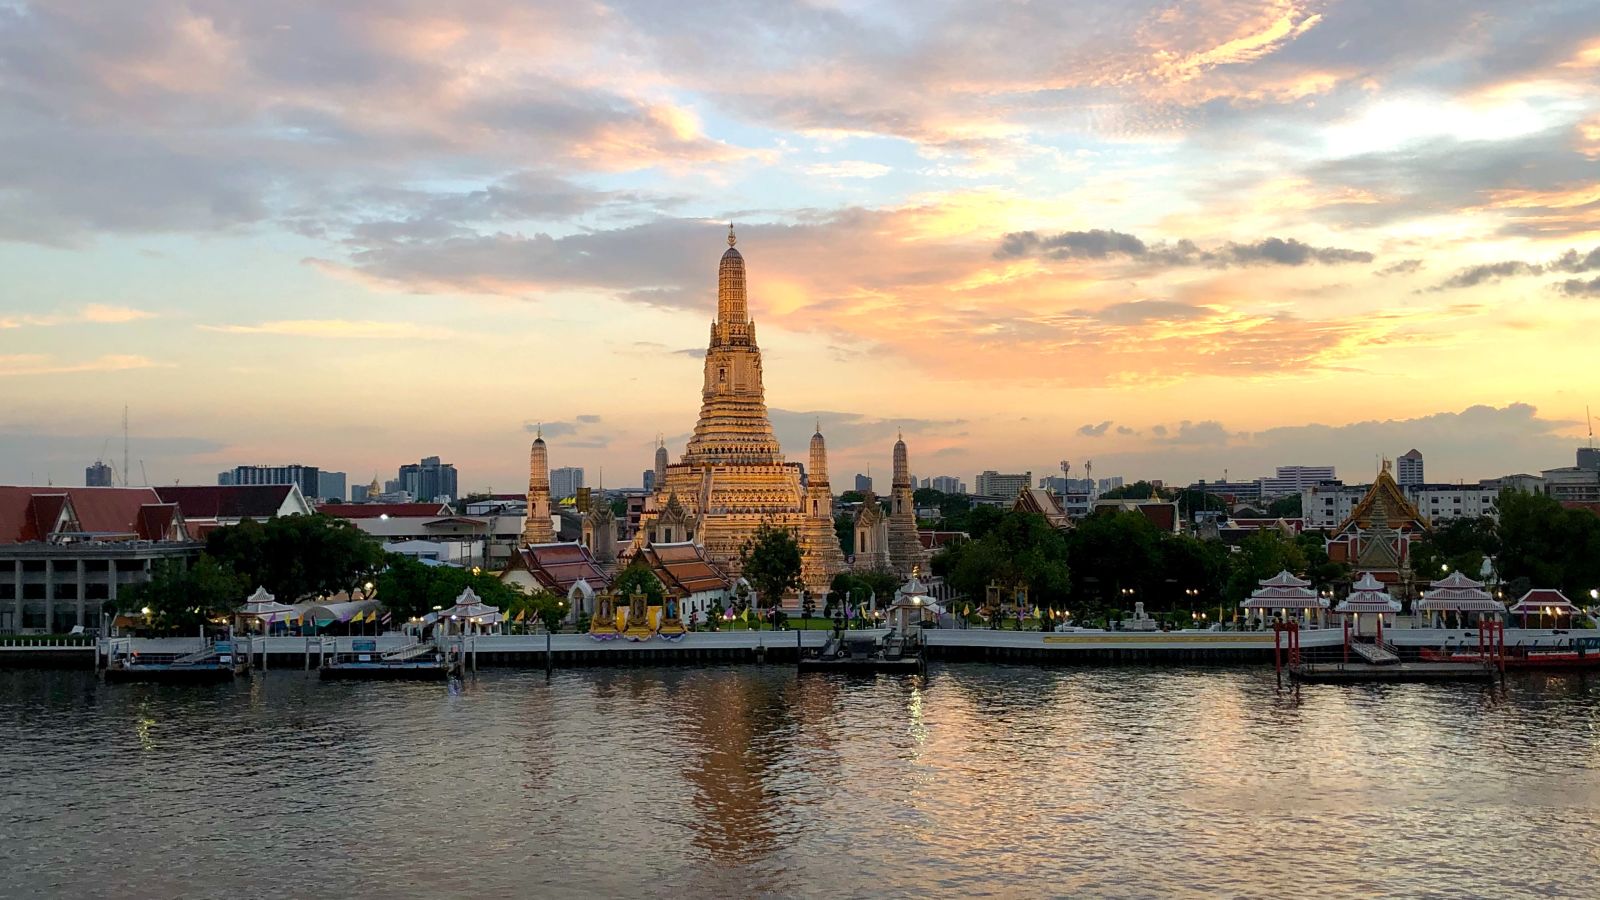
(732,477)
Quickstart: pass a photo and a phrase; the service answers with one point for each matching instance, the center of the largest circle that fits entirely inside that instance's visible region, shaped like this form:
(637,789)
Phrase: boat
(1578,653)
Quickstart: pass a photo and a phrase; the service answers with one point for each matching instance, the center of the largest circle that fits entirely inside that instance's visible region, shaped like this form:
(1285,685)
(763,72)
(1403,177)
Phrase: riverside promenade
(779,647)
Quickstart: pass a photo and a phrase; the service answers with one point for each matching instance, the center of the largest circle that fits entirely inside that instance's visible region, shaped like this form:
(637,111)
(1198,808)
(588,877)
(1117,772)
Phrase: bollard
(548,662)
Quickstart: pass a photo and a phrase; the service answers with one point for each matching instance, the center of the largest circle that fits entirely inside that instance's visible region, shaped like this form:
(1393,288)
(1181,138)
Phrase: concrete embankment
(781,647)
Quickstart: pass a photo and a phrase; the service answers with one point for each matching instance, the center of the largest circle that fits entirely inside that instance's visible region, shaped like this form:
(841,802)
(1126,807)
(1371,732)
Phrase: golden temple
(732,476)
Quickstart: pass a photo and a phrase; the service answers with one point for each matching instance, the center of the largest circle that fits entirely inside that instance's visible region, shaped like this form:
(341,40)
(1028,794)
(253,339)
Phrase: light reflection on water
(734,782)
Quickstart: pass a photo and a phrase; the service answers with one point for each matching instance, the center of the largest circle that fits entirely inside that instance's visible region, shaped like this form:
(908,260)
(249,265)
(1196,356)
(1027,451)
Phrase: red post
(1347,639)
(1277,658)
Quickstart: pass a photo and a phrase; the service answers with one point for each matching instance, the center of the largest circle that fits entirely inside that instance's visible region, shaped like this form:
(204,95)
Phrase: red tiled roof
(1588,505)
(107,512)
(374,510)
(684,568)
(559,566)
(227,501)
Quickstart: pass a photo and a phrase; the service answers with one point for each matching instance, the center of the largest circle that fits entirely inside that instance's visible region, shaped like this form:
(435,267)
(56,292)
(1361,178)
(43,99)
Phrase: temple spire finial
(731,239)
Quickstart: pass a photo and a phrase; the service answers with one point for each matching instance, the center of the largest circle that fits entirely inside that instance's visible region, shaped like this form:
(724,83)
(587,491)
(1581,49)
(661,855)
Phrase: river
(734,782)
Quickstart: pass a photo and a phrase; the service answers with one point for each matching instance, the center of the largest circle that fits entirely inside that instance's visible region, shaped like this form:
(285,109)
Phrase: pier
(780,647)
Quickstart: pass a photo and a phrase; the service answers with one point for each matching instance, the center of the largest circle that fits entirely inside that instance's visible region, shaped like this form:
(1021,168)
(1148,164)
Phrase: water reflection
(741,781)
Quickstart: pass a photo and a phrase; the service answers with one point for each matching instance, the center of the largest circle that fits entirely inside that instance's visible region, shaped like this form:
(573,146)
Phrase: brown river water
(975,780)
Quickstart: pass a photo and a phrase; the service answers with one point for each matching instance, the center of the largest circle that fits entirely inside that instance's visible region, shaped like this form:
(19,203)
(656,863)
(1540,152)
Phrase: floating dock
(1396,672)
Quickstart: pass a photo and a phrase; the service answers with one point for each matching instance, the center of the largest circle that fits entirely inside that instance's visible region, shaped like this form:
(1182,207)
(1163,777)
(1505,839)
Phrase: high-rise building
(307,477)
(1295,479)
(863,483)
(948,484)
(330,486)
(358,493)
(565,481)
(428,480)
(1006,486)
(1408,469)
(97,475)
(225,478)
(649,480)
(1589,457)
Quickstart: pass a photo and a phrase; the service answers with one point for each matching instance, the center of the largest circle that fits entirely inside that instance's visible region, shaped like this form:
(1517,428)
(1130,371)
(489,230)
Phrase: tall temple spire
(733,427)
(536,528)
(905,548)
(732,304)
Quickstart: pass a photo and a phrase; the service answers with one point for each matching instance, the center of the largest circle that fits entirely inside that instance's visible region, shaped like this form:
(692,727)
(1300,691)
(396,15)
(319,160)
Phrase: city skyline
(1171,240)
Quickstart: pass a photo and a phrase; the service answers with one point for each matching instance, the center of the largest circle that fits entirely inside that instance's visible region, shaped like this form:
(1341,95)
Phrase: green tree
(1263,554)
(1112,553)
(298,557)
(1139,490)
(1543,544)
(180,598)
(981,520)
(844,525)
(770,561)
(852,497)
(1285,507)
(1457,544)
(409,589)
(638,579)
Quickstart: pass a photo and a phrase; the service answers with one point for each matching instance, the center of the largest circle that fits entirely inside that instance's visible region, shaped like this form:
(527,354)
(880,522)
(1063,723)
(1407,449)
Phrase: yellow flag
(522,615)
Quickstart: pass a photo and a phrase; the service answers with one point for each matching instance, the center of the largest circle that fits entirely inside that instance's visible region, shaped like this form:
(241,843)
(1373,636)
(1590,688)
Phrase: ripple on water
(977,780)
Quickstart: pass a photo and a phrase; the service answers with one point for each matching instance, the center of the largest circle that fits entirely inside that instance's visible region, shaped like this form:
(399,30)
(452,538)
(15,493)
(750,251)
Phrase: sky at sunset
(1174,238)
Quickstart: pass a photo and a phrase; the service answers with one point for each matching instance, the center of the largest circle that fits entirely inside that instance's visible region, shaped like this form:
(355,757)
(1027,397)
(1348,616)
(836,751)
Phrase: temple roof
(1398,513)
(683,568)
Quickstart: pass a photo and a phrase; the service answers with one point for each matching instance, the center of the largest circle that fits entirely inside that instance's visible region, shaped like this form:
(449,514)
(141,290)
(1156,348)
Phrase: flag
(522,616)
(1036,612)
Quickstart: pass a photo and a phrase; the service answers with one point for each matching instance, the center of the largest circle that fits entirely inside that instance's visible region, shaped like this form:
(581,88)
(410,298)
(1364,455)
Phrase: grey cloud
(1476,442)
(1125,430)
(1476,275)
(847,431)
(1101,244)
(1571,261)
(1096,244)
(1207,432)
(1577,287)
(1277,251)
(1403,267)
(561,428)
(1159,431)
(1094,430)
(1138,312)
(32,456)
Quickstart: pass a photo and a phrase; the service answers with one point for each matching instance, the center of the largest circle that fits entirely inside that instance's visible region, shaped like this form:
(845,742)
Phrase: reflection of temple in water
(743,729)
